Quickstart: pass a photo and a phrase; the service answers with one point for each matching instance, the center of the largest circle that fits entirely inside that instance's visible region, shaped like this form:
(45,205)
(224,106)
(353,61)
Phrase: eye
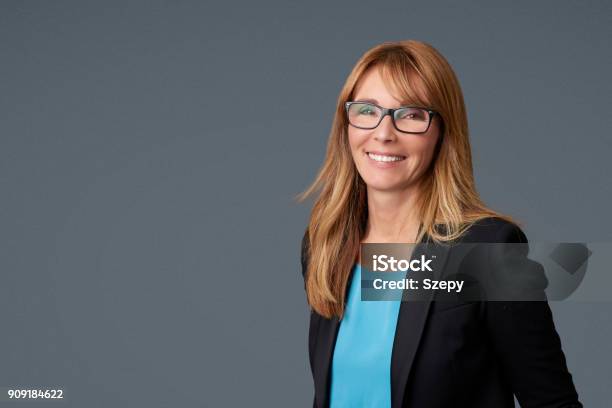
(366,110)
(412,114)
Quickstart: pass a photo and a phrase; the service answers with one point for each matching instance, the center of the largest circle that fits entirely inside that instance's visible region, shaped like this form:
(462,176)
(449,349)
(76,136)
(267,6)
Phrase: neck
(392,216)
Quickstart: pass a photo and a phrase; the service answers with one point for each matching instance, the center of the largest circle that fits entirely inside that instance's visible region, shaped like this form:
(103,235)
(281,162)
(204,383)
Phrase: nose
(385,131)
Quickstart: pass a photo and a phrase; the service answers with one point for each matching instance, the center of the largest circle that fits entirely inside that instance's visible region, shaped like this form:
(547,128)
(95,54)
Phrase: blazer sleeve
(528,347)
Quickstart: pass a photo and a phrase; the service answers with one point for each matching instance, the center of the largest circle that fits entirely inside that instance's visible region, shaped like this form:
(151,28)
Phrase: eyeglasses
(407,119)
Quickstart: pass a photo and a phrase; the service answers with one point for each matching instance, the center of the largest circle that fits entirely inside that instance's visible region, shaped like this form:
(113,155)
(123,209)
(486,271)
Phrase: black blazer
(471,354)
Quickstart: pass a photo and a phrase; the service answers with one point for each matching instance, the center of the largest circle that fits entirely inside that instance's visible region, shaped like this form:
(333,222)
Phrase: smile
(385,158)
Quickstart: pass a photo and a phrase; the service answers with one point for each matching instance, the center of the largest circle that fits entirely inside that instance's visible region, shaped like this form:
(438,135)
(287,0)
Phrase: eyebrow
(372,100)
(367,100)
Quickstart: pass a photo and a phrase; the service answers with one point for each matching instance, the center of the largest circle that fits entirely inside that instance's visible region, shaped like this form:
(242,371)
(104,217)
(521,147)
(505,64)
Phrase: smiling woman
(398,168)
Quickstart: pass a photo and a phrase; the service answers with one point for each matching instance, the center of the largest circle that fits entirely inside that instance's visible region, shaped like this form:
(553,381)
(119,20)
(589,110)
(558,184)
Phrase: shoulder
(494,230)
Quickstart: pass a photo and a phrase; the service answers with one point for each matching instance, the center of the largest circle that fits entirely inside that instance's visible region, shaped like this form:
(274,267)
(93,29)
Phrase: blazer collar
(409,329)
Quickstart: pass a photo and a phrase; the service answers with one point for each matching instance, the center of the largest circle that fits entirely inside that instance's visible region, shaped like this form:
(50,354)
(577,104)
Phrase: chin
(383,185)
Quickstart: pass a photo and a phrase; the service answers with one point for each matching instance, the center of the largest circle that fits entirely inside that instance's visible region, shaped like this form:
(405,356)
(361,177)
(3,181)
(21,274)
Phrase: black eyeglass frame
(390,112)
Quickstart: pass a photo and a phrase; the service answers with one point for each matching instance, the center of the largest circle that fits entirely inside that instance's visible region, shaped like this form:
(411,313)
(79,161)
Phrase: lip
(383,153)
(383,165)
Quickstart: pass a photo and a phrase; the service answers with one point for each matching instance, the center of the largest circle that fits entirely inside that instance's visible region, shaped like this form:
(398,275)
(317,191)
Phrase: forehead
(387,86)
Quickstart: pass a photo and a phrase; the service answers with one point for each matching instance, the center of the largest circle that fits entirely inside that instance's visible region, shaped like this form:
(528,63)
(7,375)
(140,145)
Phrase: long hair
(448,203)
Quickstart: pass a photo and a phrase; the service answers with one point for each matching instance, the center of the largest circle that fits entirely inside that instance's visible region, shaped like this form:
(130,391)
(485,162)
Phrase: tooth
(382,158)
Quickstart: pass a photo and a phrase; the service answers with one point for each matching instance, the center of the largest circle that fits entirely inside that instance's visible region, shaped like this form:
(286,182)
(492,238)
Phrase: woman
(398,168)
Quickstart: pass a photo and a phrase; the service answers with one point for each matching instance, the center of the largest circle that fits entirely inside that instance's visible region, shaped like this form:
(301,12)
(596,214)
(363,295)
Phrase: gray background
(150,152)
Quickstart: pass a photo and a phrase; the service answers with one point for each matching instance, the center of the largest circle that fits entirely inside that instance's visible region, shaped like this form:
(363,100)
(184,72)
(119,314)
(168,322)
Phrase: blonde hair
(448,203)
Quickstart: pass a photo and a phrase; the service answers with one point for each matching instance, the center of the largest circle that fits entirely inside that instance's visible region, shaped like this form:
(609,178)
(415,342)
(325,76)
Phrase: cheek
(421,147)
(421,152)
(427,145)
(357,141)
(356,138)
(428,148)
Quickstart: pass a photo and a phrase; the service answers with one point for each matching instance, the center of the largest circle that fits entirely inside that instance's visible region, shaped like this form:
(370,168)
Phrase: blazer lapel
(410,324)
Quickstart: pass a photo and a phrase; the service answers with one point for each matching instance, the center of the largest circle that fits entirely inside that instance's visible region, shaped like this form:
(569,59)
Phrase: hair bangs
(404,81)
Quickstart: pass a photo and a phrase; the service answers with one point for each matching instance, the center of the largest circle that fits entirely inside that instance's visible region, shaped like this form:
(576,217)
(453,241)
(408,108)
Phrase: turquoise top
(361,367)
